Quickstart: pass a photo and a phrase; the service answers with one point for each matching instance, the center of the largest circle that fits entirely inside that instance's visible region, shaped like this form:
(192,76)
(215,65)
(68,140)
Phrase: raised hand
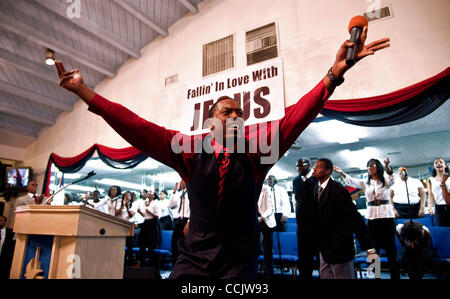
(73,81)
(388,168)
(69,80)
(175,189)
(340,66)
(337,169)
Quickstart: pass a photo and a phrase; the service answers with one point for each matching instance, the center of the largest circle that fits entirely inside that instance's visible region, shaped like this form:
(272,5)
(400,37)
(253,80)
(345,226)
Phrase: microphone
(355,28)
(404,172)
(90,174)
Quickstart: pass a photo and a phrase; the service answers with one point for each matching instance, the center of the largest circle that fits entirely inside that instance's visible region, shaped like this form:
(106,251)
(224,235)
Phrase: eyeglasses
(371,166)
(304,164)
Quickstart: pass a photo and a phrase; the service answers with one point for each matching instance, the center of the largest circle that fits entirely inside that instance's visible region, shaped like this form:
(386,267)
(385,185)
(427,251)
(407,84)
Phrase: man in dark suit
(337,220)
(303,187)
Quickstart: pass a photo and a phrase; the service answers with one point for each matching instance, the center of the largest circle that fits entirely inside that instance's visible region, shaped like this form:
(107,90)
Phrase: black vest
(230,230)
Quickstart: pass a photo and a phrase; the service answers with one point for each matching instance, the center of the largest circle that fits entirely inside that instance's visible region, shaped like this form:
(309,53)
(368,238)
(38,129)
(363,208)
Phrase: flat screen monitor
(17,177)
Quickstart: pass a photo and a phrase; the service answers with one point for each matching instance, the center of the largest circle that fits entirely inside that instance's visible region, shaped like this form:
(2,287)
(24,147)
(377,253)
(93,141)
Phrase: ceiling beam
(33,96)
(31,67)
(44,40)
(8,108)
(192,7)
(142,15)
(7,126)
(91,27)
(28,66)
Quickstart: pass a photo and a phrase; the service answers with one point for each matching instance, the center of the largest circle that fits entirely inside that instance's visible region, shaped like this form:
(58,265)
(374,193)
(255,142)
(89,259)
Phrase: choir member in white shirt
(165,215)
(380,212)
(125,212)
(280,202)
(114,194)
(150,235)
(273,208)
(409,204)
(97,203)
(438,193)
(179,204)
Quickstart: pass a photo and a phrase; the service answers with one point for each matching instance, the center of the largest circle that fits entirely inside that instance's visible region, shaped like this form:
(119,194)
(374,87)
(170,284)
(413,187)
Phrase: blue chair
(165,249)
(427,220)
(360,261)
(292,220)
(289,251)
(291,227)
(440,237)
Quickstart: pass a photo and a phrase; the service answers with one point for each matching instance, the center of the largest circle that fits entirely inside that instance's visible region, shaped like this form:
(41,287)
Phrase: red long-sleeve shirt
(155,141)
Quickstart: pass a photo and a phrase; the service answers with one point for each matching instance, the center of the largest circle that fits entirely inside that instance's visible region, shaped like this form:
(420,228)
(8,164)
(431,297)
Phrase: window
(261,44)
(171,79)
(378,14)
(218,56)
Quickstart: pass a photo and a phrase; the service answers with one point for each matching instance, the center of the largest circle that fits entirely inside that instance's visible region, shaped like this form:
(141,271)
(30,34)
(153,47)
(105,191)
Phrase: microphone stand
(278,231)
(407,194)
(90,174)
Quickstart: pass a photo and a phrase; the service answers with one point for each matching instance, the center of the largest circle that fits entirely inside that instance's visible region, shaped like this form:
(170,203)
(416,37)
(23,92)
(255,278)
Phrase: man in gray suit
(30,198)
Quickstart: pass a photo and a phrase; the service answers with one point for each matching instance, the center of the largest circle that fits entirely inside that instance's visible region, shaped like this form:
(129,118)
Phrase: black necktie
(181,202)
(274,200)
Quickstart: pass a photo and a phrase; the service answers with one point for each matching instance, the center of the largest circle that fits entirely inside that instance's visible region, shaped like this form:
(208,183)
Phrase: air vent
(394,153)
(378,14)
(171,79)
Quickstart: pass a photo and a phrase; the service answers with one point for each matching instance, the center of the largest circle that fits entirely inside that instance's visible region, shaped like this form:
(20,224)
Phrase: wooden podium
(67,242)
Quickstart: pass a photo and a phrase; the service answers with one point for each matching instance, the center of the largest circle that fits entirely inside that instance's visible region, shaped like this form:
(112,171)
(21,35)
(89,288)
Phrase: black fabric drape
(406,111)
(122,164)
(117,158)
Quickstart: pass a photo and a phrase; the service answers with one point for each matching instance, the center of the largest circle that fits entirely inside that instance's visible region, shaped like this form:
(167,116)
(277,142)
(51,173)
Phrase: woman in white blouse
(380,213)
(114,194)
(150,235)
(438,193)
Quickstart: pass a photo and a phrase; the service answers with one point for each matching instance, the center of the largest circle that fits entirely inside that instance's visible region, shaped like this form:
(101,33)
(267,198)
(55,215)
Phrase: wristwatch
(335,81)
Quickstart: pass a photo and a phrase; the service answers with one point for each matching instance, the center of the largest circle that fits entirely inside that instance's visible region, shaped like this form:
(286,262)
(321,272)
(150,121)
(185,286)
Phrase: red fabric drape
(386,100)
(48,175)
(67,162)
(118,153)
(73,164)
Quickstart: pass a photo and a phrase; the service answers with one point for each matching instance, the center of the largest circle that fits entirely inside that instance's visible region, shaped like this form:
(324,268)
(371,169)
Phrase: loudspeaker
(141,273)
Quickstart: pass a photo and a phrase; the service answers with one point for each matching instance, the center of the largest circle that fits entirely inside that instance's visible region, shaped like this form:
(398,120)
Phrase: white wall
(310,32)
(12,152)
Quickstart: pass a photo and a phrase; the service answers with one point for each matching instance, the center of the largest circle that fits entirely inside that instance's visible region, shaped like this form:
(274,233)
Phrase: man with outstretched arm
(222,241)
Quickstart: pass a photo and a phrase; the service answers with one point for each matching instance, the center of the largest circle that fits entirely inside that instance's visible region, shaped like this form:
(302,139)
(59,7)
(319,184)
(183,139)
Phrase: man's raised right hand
(69,80)
(73,81)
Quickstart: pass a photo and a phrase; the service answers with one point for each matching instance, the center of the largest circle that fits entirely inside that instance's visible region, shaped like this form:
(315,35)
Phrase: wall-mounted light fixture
(50,57)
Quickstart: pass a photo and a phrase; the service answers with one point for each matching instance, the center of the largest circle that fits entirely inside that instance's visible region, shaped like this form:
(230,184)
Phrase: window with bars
(218,56)
(261,44)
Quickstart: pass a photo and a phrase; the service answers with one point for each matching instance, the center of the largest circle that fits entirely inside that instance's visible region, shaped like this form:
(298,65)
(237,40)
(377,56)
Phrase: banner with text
(259,88)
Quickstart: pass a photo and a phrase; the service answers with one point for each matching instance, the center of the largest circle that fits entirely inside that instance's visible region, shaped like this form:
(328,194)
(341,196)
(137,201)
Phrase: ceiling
(96,37)
(106,34)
